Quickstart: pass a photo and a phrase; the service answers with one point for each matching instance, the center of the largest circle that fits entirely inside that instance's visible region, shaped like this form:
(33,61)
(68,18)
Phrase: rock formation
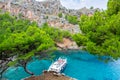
(42,12)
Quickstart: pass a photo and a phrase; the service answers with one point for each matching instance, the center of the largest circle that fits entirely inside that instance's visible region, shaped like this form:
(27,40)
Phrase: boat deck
(58,65)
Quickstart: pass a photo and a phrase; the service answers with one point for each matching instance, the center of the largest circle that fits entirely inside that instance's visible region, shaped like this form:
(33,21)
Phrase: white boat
(58,65)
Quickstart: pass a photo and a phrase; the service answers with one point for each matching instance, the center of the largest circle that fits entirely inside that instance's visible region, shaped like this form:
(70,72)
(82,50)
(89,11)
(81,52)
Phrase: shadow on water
(91,79)
(103,79)
(78,62)
(87,57)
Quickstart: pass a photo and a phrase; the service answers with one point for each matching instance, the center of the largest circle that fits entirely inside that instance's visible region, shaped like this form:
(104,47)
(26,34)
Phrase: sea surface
(81,65)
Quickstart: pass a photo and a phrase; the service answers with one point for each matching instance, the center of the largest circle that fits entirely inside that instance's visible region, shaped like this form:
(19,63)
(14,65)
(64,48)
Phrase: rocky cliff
(42,12)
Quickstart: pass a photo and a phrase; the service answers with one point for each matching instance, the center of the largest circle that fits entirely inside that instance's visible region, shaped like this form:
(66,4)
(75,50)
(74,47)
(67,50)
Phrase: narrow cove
(81,65)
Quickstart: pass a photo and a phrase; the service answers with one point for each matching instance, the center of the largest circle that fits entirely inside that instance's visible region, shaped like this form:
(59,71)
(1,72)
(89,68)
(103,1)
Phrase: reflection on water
(77,4)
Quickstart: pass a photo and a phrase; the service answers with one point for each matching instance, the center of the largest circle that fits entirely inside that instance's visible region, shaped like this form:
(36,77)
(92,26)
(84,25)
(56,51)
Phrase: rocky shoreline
(67,44)
(50,75)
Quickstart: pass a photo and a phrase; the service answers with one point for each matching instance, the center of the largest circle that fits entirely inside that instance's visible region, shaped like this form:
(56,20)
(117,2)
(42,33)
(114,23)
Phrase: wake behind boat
(58,65)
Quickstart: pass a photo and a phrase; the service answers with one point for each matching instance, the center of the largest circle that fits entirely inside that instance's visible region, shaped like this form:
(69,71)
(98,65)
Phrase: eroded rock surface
(45,11)
(67,44)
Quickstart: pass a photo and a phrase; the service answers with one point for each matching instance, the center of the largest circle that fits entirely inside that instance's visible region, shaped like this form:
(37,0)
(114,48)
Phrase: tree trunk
(3,66)
(26,70)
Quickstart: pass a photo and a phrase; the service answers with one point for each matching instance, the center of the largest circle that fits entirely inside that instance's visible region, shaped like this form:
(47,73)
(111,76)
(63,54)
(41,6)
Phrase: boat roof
(58,64)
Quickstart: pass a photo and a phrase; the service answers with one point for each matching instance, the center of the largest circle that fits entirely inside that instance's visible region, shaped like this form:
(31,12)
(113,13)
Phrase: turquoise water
(81,65)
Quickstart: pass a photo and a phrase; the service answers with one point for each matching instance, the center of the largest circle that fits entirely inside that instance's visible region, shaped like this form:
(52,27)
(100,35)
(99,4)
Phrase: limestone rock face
(67,44)
(45,11)
(65,26)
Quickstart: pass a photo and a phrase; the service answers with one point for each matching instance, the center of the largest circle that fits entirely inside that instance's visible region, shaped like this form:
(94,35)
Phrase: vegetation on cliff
(24,39)
(56,34)
(113,7)
(101,32)
(72,19)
